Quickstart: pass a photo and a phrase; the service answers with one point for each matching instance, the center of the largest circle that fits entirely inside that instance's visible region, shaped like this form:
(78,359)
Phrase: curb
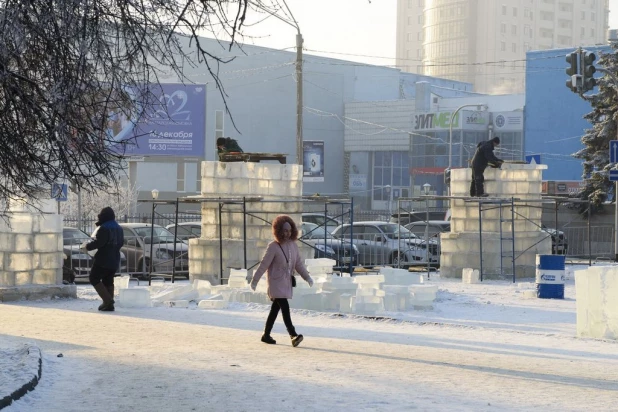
(30,357)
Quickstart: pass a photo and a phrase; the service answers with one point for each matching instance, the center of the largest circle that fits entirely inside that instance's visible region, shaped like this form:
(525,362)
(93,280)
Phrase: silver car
(384,243)
(168,253)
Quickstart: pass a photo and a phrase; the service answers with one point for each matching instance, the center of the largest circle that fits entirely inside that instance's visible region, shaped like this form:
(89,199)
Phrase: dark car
(326,246)
(77,263)
(559,242)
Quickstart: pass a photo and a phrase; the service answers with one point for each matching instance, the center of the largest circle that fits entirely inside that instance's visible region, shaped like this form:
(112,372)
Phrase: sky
(482,347)
(357,27)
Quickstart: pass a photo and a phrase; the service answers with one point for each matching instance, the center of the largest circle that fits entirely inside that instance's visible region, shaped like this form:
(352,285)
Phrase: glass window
(371,233)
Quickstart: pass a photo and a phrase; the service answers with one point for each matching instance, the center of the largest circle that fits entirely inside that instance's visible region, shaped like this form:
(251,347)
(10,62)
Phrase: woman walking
(280,260)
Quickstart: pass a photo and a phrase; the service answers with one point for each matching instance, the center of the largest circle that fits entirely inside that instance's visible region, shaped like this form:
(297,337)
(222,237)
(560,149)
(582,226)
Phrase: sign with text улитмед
(173,124)
(313,161)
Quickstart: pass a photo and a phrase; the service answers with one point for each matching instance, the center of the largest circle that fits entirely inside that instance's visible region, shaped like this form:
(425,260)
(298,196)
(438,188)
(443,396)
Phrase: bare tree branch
(65,65)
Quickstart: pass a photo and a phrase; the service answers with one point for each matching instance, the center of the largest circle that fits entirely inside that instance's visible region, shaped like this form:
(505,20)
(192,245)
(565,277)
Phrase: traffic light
(588,71)
(571,71)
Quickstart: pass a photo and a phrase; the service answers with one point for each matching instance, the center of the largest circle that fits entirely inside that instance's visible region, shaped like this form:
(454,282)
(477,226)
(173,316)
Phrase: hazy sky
(357,27)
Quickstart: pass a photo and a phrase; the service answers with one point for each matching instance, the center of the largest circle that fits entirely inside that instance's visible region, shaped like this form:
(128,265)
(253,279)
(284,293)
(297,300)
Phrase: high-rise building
(484,42)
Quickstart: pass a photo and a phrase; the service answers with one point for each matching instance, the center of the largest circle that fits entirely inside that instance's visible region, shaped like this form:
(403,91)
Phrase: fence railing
(168,257)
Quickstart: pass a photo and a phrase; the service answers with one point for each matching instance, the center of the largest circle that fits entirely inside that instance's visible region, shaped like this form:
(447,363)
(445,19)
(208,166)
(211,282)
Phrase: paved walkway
(161,359)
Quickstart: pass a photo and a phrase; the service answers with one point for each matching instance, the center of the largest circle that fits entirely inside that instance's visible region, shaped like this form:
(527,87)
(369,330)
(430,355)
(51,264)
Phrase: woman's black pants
(283,305)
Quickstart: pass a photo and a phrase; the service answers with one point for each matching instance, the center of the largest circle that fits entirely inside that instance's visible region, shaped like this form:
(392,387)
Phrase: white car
(384,243)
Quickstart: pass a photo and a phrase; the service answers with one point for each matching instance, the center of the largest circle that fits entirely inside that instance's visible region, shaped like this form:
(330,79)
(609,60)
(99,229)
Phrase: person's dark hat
(221,141)
(105,215)
(496,140)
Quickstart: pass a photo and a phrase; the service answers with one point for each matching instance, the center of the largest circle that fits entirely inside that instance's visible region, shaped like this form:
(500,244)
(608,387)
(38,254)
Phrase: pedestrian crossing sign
(59,192)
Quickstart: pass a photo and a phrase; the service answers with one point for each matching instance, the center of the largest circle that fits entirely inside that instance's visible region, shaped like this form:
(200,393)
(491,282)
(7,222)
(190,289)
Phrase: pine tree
(604,120)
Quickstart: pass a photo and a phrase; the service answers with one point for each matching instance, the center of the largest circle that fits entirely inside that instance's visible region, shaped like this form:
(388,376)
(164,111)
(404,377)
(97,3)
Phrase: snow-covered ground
(482,347)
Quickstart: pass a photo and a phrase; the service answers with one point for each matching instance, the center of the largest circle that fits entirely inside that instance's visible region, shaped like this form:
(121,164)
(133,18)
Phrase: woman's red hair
(278,228)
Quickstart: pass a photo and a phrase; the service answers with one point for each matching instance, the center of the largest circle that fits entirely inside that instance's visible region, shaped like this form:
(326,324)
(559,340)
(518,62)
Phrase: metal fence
(145,251)
(88,224)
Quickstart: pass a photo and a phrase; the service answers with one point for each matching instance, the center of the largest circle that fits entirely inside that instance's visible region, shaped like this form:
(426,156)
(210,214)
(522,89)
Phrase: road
(162,359)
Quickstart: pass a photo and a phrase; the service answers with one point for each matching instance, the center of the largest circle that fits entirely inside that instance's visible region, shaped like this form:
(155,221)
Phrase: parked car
(384,243)
(327,222)
(187,230)
(432,227)
(403,218)
(77,263)
(559,242)
(327,246)
(430,230)
(138,240)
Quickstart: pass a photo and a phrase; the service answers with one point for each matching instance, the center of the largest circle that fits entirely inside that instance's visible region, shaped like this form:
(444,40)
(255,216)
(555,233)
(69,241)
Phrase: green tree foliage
(604,120)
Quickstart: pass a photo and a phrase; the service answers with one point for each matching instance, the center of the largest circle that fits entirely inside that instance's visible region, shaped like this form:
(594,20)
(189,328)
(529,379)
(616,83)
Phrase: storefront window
(391,169)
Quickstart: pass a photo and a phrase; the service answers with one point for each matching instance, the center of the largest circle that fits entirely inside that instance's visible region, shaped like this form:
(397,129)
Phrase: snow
(482,347)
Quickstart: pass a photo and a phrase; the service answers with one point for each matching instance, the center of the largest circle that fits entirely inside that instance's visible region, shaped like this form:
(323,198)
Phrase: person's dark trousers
(282,304)
(477,184)
(103,281)
(100,274)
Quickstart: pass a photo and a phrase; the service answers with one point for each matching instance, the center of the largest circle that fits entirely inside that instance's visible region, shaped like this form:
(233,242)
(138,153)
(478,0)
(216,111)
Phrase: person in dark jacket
(228,145)
(483,157)
(108,239)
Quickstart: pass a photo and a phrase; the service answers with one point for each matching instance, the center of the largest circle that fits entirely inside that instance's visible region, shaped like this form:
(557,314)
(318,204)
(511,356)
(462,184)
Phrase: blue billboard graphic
(173,124)
(313,161)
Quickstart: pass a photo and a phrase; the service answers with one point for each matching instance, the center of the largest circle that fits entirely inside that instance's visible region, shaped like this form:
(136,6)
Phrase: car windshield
(397,231)
(311,231)
(74,237)
(160,234)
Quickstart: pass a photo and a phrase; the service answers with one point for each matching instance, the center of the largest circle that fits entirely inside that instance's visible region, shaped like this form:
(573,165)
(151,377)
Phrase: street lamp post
(450,128)
(155,196)
(389,192)
(427,190)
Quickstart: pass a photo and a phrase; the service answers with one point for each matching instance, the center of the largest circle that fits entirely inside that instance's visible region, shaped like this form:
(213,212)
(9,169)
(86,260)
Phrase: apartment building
(484,42)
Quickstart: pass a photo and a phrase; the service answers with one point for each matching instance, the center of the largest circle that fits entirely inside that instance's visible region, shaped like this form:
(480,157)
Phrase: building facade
(257,106)
(396,147)
(484,42)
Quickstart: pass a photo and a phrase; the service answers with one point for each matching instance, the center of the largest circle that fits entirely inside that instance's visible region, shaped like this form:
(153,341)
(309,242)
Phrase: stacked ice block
(461,247)
(596,289)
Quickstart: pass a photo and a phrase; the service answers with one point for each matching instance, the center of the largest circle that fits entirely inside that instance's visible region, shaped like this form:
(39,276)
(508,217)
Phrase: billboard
(313,161)
(173,125)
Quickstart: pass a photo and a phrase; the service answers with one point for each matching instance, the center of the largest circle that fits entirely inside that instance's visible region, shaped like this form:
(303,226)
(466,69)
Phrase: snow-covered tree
(123,201)
(604,120)
(68,65)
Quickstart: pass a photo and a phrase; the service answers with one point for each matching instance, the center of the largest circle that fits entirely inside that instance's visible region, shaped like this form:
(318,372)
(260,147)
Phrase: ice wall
(31,252)
(596,291)
(280,188)
(461,247)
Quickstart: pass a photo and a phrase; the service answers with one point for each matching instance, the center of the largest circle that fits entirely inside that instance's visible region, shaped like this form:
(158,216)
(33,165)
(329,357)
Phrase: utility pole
(299,98)
(299,77)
